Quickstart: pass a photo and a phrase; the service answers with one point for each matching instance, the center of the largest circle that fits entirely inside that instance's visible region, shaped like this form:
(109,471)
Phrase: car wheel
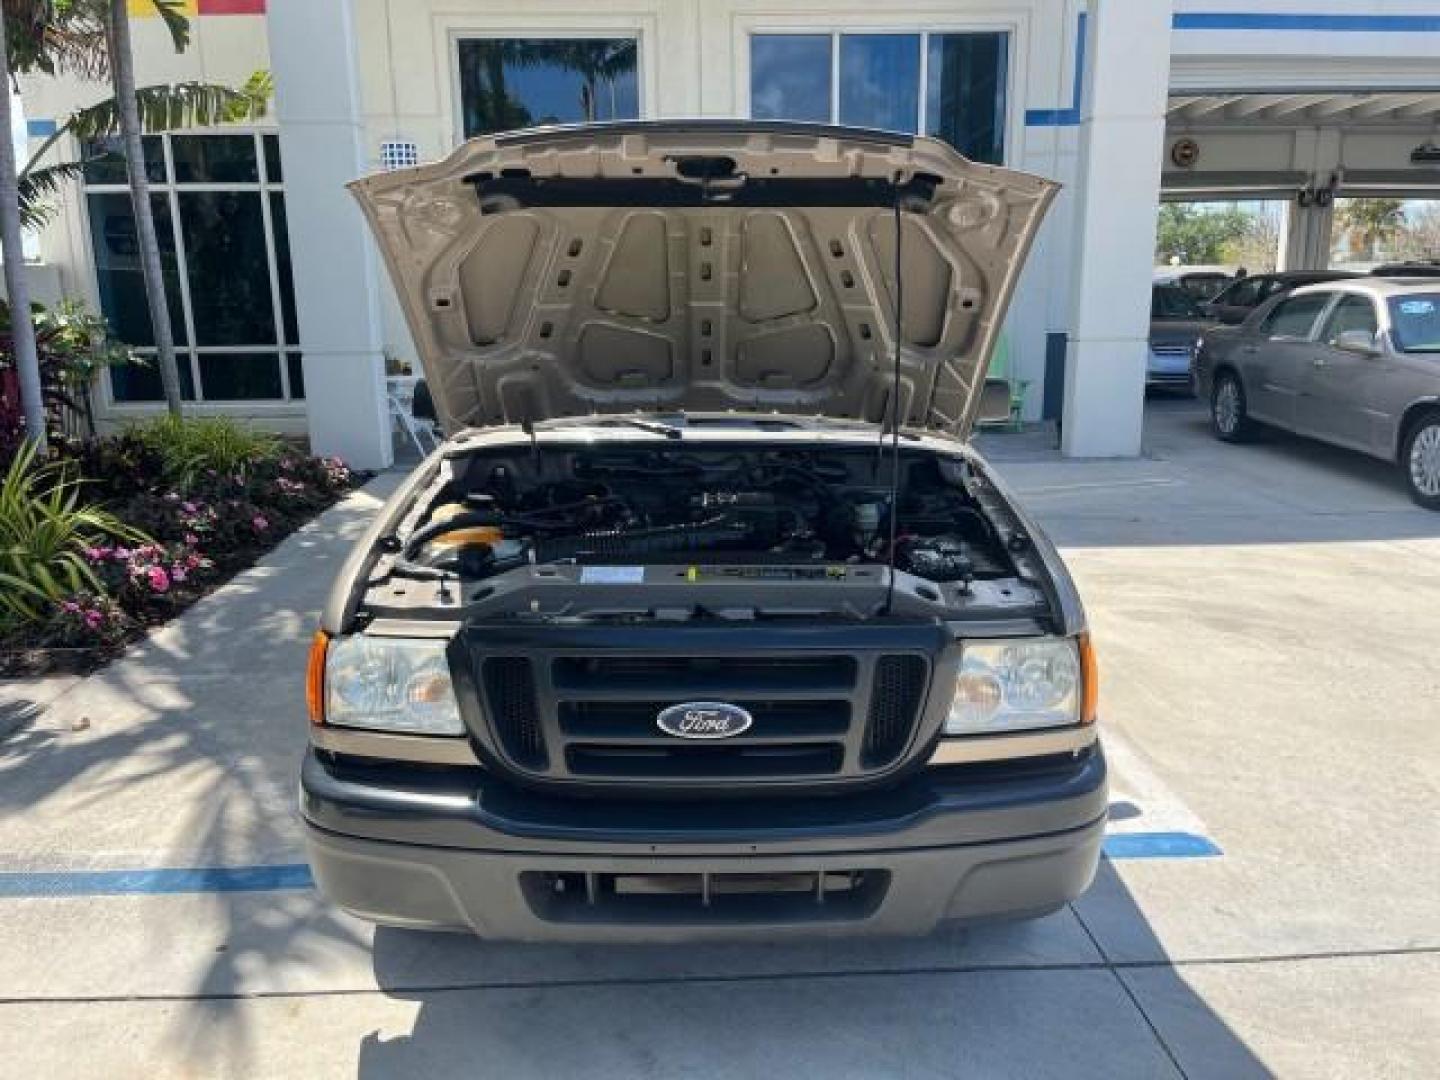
(1420,461)
(1227,409)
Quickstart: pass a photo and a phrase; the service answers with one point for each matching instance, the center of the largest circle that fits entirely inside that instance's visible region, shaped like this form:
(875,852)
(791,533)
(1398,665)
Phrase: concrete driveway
(1266,618)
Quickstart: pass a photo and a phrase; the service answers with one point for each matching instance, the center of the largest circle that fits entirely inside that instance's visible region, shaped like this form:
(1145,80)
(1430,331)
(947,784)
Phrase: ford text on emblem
(704,720)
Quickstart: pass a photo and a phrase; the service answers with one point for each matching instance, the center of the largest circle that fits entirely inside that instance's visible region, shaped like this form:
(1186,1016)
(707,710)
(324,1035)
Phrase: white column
(317,100)
(1122,129)
(1307,238)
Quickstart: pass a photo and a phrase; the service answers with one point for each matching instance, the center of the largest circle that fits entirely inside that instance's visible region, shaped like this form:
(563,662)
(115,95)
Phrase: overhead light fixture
(1427,153)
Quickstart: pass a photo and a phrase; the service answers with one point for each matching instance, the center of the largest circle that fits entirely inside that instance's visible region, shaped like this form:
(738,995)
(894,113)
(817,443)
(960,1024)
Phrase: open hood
(703,265)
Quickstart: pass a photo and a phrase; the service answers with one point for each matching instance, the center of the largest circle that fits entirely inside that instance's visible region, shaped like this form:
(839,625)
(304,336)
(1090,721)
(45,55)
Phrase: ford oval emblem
(704,720)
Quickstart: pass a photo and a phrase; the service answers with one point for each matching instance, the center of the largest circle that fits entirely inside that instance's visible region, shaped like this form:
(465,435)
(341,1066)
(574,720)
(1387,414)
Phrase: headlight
(1017,685)
(391,684)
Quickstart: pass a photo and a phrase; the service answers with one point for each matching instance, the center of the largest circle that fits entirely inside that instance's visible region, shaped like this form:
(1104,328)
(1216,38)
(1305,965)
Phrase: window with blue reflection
(790,77)
(880,81)
(962,99)
(508,83)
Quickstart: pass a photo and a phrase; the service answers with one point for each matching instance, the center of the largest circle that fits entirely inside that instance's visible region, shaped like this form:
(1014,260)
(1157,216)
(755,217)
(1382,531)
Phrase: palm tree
(127,113)
(27,362)
(91,38)
(1369,221)
(122,76)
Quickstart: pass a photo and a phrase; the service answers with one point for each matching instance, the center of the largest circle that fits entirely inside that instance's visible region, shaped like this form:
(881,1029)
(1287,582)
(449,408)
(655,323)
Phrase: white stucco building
(284,315)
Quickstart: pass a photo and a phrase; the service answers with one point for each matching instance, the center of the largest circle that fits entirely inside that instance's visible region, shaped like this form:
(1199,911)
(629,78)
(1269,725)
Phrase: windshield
(1415,322)
(1173,302)
(1204,286)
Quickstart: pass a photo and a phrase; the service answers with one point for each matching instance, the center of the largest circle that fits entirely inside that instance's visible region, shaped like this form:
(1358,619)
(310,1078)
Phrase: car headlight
(1020,684)
(391,684)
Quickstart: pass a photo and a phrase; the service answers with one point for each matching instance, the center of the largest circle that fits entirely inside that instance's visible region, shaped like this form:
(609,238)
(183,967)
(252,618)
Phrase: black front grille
(703,674)
(894,696)
(636,719)
(510,694)
(588,715)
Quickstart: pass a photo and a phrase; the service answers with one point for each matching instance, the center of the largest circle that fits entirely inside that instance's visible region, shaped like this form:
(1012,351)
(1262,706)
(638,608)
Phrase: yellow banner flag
(139,9)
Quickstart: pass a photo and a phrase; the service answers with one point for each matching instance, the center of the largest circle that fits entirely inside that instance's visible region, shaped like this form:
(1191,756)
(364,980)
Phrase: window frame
(171,191)
(1013,149)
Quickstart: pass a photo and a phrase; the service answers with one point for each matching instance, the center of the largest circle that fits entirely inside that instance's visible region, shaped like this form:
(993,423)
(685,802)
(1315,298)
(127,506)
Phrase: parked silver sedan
(1353,362)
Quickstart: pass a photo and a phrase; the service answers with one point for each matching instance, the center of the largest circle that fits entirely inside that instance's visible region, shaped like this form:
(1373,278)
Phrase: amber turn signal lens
(315,677)
(1089,682)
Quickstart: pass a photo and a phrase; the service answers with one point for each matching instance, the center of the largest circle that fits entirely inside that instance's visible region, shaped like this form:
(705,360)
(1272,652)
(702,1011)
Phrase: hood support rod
(898,305)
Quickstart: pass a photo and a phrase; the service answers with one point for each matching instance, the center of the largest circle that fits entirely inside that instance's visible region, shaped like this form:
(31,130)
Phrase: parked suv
(675,637)
(1354,362)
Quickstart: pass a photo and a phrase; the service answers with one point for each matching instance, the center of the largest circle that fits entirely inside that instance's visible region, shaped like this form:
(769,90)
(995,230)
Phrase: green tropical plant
(38,190)
(45,530)
(73,345)
(190,447)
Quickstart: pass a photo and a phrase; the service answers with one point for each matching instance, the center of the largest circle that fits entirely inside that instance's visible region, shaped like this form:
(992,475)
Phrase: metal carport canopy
(1281,109)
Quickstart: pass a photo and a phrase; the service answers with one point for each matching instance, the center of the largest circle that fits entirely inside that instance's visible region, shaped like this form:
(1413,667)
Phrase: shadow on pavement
(17,714)
(1026,999)
(184,752)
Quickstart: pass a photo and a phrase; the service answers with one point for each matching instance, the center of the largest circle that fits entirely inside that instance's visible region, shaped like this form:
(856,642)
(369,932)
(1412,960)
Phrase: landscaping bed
(116,535)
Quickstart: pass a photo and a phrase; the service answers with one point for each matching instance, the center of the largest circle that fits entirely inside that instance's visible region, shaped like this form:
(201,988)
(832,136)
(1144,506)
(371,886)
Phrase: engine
(627,506)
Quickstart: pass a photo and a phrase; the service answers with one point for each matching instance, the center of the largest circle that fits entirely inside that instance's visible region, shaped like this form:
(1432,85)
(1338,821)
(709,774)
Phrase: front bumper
(456,849)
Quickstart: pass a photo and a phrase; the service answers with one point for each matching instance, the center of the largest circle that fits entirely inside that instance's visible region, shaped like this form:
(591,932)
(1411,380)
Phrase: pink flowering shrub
(195,526)
(142,577)
(86,619)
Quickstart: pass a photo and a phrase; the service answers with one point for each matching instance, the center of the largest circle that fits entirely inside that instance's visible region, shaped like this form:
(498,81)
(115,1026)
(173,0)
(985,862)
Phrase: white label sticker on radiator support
(612,575)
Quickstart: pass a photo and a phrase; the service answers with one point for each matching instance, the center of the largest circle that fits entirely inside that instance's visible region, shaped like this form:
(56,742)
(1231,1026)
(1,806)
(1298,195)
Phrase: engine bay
(652,526)
(780,507)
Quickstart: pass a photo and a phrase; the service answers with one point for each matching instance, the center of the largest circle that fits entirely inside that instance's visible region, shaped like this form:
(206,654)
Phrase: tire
(1229,418)
(1420,461)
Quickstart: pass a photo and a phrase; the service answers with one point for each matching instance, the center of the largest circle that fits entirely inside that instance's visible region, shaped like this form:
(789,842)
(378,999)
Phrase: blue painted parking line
(1158,845)
(58,884)
(209,879)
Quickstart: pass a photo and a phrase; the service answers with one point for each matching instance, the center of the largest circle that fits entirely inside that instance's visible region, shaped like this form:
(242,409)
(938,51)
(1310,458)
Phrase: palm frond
(178,105)
(76,48)
(592,59)
(172,14)
(38,190)
(57,37)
